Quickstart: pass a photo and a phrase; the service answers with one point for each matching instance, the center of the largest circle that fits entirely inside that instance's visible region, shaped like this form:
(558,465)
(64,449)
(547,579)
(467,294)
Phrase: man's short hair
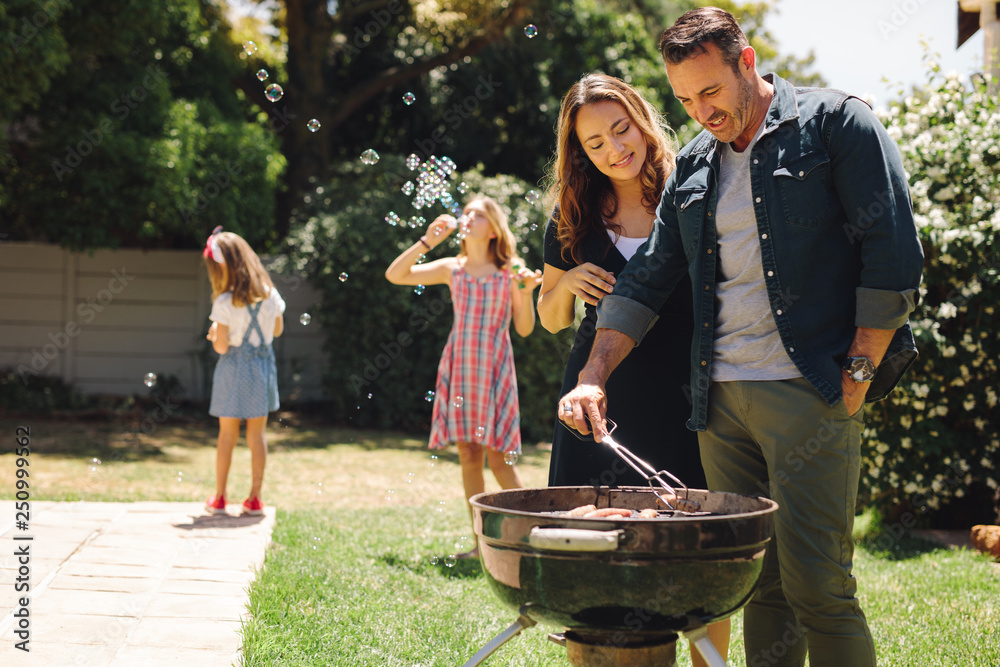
(698,27)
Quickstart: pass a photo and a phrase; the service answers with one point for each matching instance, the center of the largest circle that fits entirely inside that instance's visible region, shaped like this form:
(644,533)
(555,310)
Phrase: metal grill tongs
(652,475)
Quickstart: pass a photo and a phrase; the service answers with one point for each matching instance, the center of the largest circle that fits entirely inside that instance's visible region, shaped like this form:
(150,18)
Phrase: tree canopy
(147,123)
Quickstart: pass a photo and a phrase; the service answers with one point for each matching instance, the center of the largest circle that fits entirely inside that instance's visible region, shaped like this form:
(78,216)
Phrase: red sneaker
(216,505)
(253,506)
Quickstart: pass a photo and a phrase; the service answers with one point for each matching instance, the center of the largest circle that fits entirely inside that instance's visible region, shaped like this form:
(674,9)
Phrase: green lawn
(349,578)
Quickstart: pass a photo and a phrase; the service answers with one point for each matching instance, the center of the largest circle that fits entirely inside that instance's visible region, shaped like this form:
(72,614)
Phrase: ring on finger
(568,409)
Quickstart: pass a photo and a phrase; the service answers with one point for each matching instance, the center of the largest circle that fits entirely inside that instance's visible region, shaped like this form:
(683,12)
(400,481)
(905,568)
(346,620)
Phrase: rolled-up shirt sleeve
(871,183)
(884,309)
(625,315)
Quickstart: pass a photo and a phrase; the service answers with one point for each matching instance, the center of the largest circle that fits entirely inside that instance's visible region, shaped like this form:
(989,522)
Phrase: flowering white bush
(936,437)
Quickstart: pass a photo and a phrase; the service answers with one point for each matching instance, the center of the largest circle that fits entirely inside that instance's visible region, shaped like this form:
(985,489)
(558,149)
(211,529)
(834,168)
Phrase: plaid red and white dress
(476,395)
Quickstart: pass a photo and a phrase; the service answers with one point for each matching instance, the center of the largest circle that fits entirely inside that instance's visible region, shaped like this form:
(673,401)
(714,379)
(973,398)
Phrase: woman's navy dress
(648,394)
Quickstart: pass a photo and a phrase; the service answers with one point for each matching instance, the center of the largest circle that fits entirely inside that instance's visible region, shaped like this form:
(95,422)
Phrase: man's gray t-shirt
(747,344)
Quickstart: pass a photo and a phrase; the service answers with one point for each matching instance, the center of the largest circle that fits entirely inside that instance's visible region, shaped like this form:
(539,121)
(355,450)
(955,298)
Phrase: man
(792,215)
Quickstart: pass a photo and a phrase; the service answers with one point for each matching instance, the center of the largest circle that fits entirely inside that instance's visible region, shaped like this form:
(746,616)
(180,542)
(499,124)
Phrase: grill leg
(521,623)
(699,637)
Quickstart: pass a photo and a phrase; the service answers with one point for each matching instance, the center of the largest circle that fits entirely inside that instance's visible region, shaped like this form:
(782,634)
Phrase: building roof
(968,23)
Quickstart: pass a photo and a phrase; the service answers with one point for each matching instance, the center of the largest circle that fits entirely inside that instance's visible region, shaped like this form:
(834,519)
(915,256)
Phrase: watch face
(861,369)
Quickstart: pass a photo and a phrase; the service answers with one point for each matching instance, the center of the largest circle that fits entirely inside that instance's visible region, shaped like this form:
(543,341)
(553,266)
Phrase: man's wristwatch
(861,369)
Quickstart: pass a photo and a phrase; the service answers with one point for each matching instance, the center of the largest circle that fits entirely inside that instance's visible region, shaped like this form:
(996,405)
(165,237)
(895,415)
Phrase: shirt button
(708,287)
(757,200)
(801,174)
(709,251)
(779,312)
(791,349)
(706,325)
(763,236)
(710,214)
(704,363)
(755,160)
(770,273)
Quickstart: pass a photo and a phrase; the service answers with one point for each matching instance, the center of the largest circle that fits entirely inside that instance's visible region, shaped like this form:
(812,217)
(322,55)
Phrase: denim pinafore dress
(245,383)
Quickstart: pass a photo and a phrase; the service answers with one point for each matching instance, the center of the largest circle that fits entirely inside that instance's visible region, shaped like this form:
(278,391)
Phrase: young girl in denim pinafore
(246,317)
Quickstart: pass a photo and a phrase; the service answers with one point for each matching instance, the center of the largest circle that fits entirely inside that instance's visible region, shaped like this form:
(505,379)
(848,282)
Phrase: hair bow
(212,247)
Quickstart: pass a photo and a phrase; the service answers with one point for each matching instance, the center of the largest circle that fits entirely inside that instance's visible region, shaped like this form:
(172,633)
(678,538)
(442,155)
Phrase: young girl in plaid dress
(475,402)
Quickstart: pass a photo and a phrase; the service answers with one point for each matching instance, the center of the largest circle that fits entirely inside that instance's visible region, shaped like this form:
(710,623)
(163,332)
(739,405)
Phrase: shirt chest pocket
(805,184)
(690,203)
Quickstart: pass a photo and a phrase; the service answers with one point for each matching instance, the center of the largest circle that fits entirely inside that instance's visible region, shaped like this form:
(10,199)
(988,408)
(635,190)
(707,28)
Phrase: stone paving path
(128,584)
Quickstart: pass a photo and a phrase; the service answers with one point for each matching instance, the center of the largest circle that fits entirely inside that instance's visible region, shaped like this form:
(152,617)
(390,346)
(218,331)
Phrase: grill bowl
(621,580)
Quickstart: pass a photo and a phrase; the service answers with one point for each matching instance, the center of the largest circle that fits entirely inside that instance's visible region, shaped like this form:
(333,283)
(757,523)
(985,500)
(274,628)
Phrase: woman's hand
(588,282)
(212,331)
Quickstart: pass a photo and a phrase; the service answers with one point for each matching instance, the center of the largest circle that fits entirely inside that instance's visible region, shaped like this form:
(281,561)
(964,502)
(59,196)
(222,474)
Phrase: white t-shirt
(238,319)
(626,245)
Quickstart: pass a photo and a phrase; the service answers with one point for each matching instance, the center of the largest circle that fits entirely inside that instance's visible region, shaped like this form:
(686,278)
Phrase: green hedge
(384,341)
(933,445)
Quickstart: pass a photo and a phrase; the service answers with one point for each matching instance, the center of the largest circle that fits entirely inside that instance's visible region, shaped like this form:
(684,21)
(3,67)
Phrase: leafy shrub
(936,438)
(43,395)
(384,341)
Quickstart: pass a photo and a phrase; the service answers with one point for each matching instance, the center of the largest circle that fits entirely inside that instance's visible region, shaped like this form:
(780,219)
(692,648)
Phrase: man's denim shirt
(838,243)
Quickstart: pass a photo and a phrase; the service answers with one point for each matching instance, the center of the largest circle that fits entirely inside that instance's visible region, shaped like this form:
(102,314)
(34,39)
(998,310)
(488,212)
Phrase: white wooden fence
(102,321)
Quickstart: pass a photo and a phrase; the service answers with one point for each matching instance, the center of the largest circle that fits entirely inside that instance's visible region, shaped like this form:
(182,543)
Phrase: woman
(612,160)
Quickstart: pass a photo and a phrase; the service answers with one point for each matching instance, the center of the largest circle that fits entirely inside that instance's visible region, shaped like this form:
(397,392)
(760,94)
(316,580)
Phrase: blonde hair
(503,248)
(583,194)
(242,273)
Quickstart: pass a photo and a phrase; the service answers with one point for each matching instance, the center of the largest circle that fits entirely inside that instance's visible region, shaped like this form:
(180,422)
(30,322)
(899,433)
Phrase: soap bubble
(434,560)
(149,380)
(413,161)
(343,277)
(462,188)
(450,560)
(313,125)
(418,290)
(409,98)
(510,458)
(409,478)
(458,401)
(416,222)
(429,396)
(305,318)
(390,494)
(532,197)
(261,74)
(369,157)
(95,462)
(407,188)
(393,219)
(480,432)
(249,48)
(530,30)
(274,92)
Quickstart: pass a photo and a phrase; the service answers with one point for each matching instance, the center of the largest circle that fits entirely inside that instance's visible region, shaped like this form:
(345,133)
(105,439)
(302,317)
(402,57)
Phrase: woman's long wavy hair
(584,196)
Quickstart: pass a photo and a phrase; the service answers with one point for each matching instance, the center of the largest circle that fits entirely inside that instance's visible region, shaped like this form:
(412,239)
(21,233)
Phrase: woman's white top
(238,319)
(626,244)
